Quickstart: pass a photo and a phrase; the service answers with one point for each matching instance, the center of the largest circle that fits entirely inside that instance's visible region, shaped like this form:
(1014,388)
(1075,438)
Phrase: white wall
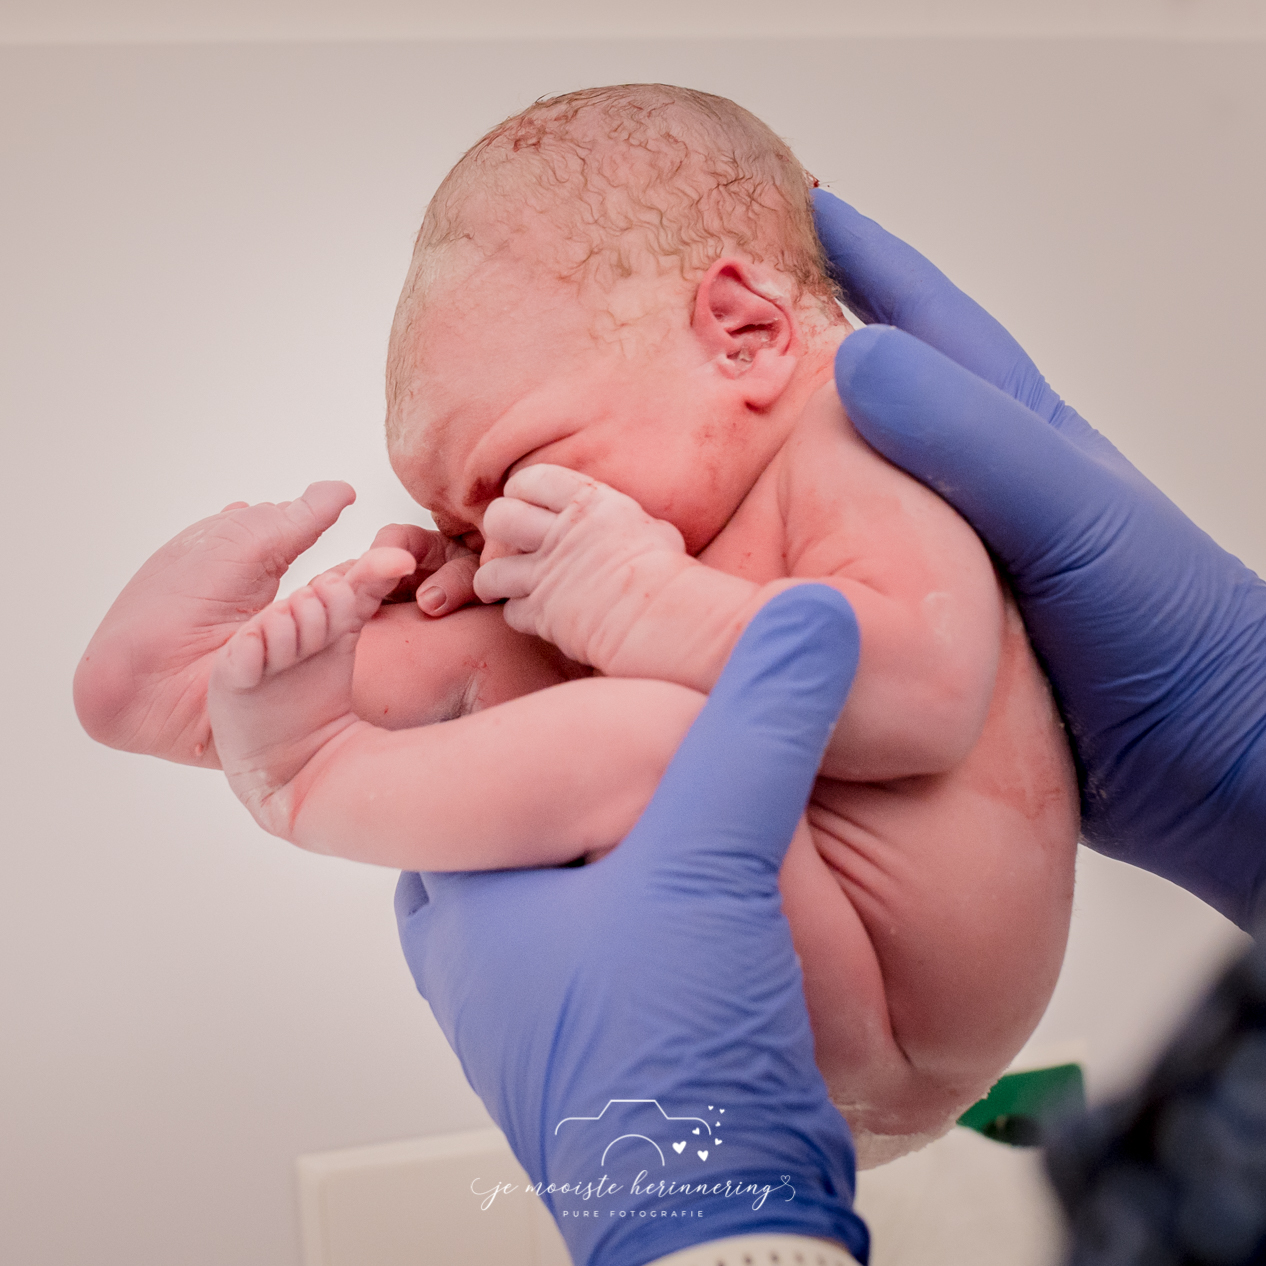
(135,20)
(201,249)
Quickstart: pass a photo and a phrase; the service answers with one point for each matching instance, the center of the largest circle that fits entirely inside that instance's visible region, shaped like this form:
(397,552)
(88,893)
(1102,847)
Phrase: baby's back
(930,907)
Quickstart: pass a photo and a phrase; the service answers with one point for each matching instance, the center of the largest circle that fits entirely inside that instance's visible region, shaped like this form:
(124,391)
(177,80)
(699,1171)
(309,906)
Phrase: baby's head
(622,280)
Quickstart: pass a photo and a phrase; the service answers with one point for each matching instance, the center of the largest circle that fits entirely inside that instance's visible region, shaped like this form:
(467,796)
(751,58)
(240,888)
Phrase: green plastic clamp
(1019,1104)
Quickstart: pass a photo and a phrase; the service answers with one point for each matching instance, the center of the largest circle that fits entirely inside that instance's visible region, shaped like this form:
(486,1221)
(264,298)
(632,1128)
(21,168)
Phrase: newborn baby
(611,370)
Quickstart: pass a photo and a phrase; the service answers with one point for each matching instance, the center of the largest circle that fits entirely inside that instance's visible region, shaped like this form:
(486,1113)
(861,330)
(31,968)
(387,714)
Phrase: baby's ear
(745,324)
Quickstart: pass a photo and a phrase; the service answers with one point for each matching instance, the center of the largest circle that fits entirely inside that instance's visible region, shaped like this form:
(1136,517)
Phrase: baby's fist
(578,562)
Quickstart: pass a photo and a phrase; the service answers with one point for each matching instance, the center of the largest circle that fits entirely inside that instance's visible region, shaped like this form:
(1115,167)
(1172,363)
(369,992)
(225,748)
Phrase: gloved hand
(660,983)
(1154,638)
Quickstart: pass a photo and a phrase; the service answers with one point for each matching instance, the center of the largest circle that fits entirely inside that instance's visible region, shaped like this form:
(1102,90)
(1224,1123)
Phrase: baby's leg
(281,689)
(142,683)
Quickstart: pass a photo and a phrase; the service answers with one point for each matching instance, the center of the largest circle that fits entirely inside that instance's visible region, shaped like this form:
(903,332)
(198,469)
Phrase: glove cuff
(762,1250)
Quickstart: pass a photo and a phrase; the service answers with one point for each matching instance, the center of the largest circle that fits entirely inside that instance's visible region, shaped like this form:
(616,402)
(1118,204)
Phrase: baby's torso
(829,504)
(957,886)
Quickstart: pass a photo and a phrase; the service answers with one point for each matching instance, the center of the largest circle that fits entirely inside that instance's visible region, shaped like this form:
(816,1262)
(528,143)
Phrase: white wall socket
(412,1204)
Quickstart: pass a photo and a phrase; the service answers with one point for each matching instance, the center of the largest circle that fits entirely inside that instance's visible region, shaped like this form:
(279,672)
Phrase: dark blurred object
(1175,1173)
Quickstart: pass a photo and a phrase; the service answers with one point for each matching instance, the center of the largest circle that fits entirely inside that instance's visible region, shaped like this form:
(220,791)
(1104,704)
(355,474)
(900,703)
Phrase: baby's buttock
(962,885)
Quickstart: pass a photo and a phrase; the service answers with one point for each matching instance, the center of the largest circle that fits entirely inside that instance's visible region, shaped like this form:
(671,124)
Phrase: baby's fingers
(518,524)
(429,549)
(509,577)
(441,580)
(552,487)
(449,588)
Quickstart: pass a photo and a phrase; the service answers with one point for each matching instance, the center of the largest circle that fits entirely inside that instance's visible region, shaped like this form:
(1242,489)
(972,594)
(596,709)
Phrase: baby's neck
(815,368)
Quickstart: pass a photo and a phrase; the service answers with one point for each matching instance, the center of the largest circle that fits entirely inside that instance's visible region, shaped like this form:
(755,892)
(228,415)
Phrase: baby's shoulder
(825,457)
(824,444)
(834,487)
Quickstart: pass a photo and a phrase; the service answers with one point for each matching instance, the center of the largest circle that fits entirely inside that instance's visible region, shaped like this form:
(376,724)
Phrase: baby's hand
(141,685)
(443,580)
(579,562)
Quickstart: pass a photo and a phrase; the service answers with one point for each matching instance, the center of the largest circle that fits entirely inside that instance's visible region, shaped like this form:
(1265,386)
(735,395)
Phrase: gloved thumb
(743,773)
(1025,486)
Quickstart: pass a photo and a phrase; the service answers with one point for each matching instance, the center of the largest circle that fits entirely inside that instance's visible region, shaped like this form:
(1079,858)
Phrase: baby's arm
(612,587)
(538,781)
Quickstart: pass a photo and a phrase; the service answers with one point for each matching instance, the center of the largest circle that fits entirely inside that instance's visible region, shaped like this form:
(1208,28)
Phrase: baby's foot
(281,689)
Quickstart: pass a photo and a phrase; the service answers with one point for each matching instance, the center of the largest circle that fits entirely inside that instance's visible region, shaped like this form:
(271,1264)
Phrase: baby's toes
(339,601)
(280,634)
(375,574)
(312,622)
(240,665)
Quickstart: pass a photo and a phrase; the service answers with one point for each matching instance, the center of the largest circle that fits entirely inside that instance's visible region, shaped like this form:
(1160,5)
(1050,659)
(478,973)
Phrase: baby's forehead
(482,347)
(504,388)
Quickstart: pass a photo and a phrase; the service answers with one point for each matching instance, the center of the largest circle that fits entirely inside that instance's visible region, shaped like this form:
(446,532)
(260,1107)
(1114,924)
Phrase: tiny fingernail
(432,600)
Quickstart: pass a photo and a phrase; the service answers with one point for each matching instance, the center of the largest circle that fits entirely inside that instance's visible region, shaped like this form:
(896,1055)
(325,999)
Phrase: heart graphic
(703,1155)
(718,1142)
(695,1130)
(679,1147)
(722,1109)
(709,1107)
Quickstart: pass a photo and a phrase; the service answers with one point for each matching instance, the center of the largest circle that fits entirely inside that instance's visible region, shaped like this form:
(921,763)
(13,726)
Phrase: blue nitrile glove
(1154,637)
(657,989)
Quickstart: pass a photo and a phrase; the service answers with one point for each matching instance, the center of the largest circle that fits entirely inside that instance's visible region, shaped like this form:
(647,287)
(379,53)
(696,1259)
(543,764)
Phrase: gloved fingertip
(792,669)
(898,391)
(744,771)
(827,203)
(874,370)
(853,353)
(816,629)
(810,622)
(411,895)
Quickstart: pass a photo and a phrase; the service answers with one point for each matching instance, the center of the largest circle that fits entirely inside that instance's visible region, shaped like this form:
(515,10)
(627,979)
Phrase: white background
(125,20)
(200,250)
